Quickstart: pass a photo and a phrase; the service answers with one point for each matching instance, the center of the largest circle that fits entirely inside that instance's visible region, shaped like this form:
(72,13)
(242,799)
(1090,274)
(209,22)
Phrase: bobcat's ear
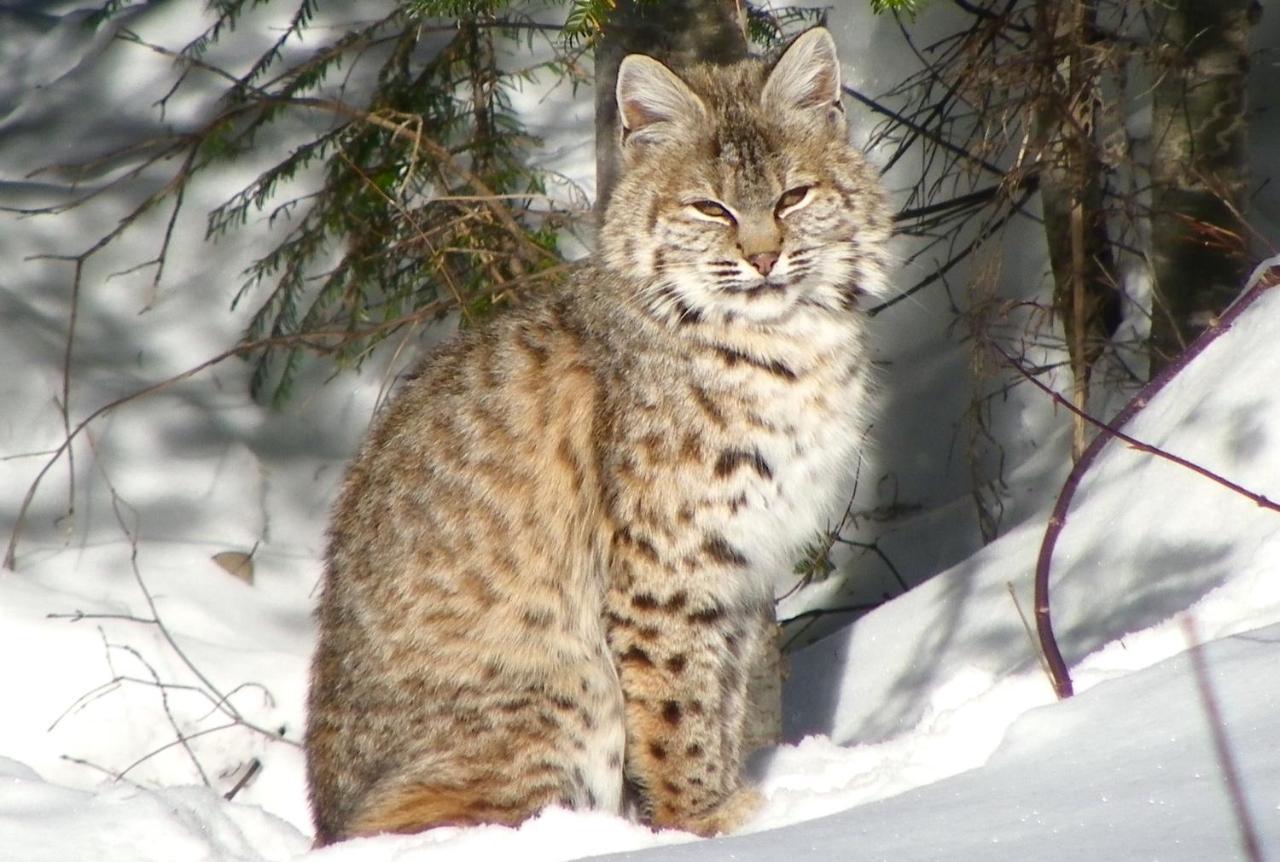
(806,79)
(652,102)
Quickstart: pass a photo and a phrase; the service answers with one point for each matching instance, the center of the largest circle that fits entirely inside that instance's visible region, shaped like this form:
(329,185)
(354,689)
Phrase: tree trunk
(1198,168)
(677,33)
(1085,294)
(680,33)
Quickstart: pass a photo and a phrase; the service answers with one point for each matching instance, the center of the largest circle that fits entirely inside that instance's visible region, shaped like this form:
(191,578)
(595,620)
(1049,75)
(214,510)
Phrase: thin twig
(1264,278)
(310,339)
(221,701)
(183,740)
(255,766)
(838,609)
(181,737)
(1031,635)
(1109,430)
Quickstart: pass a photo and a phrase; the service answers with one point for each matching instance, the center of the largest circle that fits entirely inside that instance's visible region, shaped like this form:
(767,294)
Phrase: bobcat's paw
(720,819)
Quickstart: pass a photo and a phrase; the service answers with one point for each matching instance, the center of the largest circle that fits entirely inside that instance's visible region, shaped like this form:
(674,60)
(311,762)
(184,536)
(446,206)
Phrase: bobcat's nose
(763,261)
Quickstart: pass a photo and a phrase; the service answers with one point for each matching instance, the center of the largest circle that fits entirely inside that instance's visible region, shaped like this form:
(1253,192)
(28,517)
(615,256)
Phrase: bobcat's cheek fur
(552,562)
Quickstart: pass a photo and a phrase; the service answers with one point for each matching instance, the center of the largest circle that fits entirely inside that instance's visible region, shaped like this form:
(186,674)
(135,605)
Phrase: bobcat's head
(740,197)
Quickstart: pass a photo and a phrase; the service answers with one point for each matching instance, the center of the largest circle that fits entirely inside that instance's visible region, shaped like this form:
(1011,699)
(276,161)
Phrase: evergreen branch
(407,126)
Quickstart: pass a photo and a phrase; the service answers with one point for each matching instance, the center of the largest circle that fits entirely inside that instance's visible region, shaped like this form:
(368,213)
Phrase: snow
(925,730)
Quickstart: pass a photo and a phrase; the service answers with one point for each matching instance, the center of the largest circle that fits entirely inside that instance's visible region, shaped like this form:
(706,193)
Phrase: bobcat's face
(754,244)
(742,202)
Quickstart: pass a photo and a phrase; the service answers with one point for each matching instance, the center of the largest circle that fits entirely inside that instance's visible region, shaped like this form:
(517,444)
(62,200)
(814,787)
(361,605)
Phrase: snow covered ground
(925,731)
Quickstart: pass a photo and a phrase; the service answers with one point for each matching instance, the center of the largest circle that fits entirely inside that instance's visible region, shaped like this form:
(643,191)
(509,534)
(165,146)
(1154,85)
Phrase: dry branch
(1264,279)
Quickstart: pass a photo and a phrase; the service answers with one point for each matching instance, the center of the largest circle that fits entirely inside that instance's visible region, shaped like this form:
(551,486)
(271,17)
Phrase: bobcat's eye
(792,198)
(711,209)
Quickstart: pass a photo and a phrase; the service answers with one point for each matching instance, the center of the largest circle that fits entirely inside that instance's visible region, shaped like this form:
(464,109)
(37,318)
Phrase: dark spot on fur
(652,445)
(706,616)
(657,750)
(626,574)
(694,750)
(646,549)
(648,633)
(565,453)
(677,662)
(732,357)
(708,407)
(644,601)
(691,448)
(687,313)
(671,712)
(719,550)
(636,656)
(642,545)
(732,645)
(537,618)
(537,352)
(732,459)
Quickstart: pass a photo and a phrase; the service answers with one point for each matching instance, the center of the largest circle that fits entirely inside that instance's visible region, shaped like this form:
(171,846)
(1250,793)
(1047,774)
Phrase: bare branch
(311,339)
(1263,280)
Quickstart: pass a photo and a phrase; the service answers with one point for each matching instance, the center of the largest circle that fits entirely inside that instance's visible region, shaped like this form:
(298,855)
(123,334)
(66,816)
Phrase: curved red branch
(1265,277)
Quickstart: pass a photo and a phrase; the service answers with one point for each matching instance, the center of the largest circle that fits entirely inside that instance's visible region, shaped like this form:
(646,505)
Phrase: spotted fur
(550,564)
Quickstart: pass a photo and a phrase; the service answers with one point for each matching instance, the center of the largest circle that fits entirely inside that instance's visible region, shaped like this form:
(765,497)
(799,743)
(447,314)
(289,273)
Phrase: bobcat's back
(552,562)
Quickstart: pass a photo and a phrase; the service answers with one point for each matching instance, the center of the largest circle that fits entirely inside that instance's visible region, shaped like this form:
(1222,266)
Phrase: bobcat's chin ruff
(816,282)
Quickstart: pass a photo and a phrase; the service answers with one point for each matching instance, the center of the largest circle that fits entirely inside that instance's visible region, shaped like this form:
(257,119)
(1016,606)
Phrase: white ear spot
(806,77)
(652,102)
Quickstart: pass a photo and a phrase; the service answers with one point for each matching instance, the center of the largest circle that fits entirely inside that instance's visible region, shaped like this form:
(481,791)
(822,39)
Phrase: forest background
(1082,188)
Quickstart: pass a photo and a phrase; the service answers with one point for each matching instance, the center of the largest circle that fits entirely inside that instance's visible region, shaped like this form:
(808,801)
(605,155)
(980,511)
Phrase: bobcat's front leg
(683,656)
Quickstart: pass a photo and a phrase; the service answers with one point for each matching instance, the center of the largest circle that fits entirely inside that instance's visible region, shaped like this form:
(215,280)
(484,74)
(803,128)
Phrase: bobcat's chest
(784,474)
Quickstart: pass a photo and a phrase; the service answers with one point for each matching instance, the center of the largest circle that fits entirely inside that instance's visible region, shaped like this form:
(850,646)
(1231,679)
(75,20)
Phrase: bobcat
(550,563)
